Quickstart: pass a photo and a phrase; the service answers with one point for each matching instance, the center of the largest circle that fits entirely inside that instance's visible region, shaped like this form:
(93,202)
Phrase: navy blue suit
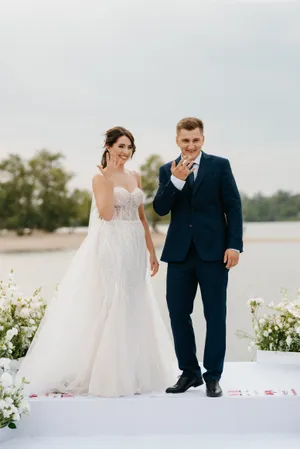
(206,219)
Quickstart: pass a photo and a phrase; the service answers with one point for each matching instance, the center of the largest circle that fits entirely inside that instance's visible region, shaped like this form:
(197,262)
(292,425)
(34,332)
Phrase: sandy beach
(10,242)
(39,241)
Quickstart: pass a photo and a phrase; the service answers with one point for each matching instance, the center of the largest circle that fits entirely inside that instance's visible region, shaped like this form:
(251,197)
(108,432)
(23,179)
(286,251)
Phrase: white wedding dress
(103,333)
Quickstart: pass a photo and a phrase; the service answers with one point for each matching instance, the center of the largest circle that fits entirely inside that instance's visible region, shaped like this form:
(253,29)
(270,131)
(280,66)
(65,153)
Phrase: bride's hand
(113,163)
(154,265)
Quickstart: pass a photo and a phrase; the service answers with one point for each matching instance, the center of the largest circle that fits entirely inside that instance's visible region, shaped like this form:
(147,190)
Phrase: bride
(103,334)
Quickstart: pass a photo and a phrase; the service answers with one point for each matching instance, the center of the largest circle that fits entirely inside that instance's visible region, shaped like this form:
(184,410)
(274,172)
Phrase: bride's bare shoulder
(97,179)
(138,177)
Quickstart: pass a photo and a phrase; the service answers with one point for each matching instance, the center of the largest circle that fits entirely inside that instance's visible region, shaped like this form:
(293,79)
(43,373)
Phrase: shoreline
(39,242)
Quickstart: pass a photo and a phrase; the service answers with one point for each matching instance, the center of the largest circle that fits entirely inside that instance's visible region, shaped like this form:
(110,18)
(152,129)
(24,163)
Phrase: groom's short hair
(190,123)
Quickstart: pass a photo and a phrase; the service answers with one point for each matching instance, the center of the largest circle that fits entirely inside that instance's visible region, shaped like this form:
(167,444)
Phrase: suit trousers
(183,279)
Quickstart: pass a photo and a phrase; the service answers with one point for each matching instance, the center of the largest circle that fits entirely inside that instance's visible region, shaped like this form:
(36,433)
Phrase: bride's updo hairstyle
(111,137)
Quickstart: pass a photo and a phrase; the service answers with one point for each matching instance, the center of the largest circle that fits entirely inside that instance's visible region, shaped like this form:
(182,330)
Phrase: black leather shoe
(184,383)
(213,389)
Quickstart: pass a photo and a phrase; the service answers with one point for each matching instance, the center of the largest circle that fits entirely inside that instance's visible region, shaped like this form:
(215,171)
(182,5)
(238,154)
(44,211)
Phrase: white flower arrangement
(20,318)
(12,402)
(278,330)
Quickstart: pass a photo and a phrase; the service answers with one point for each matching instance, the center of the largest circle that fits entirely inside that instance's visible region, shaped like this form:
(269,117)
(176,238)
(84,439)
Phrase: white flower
(249,302)
(255,302)
(6,380)
(24,312)
(5,364)
(11,333)
(3,404)
(24,407)
(289,341)
(297,329)
(18,315)
(265,333)
(6,413)
(35,305)
(262,321)
(16,417)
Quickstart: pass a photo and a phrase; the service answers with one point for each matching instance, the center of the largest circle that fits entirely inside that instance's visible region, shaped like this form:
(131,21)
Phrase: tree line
(35,195)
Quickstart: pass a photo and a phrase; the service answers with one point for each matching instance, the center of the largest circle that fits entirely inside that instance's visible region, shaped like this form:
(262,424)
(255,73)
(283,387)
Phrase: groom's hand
(183,169)
(231,258)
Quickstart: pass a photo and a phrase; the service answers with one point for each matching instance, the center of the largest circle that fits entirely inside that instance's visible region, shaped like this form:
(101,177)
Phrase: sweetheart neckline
(124,188)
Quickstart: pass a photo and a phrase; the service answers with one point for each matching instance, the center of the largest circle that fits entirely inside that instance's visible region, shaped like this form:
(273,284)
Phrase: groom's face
(190,143)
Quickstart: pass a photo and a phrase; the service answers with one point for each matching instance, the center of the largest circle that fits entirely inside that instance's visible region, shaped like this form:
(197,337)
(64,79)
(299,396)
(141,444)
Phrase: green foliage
(281,206)
(149,173)
(34,194)
(81,200)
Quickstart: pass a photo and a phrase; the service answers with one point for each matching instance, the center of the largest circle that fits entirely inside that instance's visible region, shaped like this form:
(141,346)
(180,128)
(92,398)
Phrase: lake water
(264,268)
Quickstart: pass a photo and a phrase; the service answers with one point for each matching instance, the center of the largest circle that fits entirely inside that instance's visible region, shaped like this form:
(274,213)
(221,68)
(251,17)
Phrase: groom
(203,242)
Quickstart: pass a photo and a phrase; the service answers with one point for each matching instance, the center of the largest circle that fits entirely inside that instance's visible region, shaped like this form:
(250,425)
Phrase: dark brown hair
(111,136)
(190,123)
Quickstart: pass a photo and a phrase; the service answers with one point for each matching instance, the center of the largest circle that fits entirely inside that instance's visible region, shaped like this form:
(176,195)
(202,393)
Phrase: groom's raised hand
(183,169)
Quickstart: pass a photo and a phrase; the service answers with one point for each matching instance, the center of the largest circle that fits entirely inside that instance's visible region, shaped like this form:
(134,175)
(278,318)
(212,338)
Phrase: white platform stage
(260,408)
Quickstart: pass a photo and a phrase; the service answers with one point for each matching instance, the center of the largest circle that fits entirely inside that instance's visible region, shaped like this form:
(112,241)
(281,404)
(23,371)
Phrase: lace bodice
(127,203)
(126,206)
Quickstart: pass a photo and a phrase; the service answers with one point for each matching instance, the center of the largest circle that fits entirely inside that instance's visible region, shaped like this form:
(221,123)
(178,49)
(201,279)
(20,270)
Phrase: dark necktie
(191,177)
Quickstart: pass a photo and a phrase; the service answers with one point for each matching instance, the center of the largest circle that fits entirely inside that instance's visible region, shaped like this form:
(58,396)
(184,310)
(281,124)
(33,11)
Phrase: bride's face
(122,149)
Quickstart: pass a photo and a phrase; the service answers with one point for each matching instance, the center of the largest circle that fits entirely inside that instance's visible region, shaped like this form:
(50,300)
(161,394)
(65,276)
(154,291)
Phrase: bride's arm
(103,190)
(149,242)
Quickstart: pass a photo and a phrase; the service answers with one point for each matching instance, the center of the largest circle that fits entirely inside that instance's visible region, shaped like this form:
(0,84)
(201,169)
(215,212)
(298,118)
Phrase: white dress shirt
(179,183)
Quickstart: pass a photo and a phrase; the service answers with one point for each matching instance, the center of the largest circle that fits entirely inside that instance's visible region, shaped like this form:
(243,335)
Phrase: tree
(34,194)
(149,173)
(16,195)
(81,200)
(281,206)
(51,190)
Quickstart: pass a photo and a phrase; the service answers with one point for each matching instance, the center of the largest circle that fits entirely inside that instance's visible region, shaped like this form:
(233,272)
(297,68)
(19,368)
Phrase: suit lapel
(203,169)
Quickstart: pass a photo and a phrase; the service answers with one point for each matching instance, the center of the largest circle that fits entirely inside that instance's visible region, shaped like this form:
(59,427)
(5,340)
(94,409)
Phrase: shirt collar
(197,160)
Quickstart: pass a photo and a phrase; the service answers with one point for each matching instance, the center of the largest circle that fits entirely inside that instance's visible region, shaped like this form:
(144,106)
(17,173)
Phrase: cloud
(69,70)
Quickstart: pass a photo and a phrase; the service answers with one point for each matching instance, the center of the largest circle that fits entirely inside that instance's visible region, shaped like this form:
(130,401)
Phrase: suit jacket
(209,213)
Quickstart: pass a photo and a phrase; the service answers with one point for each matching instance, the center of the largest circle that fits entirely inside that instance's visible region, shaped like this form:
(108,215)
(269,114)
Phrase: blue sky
(71,69)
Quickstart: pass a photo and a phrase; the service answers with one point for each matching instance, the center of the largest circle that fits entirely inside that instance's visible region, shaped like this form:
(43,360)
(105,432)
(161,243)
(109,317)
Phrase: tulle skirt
(103,333)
